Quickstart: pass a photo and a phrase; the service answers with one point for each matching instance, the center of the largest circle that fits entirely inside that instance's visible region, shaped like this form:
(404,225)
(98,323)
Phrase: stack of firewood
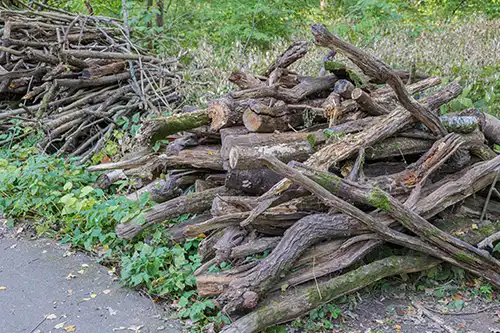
(73,78)
(297,178)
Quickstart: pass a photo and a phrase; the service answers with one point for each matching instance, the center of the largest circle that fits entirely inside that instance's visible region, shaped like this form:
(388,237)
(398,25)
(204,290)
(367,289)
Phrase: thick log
(226,112)
(109,178)
(308,86)
(286,146)
(191,203)
(257,246)
(294,52)
(344,88)
(253,182)
(262,118)
(201,157)
(377,69)
(160,128)
(367,104)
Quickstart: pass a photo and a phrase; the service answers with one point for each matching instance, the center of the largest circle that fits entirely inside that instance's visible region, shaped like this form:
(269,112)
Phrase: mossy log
(160,128)
(301,300)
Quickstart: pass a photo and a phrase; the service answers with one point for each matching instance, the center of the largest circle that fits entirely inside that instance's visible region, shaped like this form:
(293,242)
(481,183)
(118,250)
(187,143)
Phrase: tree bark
(296,51)
(191,203)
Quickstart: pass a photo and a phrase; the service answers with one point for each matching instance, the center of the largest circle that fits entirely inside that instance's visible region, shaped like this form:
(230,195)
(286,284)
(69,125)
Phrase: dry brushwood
(74,78)
(309,174)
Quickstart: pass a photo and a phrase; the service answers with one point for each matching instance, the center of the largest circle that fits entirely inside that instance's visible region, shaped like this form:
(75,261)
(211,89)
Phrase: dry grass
(461,48)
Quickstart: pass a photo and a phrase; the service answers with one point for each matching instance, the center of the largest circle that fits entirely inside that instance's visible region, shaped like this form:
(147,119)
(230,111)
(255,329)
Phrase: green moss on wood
(463,257)
(379,200)
(166,126)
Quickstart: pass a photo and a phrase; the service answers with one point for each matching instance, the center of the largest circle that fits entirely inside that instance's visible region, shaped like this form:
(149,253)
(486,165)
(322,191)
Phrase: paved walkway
(44,288)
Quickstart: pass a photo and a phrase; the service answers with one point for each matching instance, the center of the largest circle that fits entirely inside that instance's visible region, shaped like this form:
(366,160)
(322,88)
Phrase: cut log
(189,204)
(261,118)
(253,182)
(286,146)
(367,104)
(344,88)
(109,178)
(201,157)
(226,112)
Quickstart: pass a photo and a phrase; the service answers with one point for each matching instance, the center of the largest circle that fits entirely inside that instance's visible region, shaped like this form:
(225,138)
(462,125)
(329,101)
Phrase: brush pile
(73,78)
(297,178)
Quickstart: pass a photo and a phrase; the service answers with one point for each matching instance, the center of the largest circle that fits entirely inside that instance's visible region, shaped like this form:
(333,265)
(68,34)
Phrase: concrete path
(44,288)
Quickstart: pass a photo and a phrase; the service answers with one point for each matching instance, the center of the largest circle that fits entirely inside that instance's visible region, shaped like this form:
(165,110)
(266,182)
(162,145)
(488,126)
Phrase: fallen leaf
(85,265)
(3,288)
(457,297)
(381,322)
(160,328)
(51,316)
(135,328)
(70,276)
(87,299)
(106,291)
(60,325)
(70,328)
(111,311)
(93,295)
(70,292)
(13,246)
(81,271)
(474,226)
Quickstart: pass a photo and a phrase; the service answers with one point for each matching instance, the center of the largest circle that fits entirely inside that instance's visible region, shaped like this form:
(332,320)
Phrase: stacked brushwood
(73,78)
(317,172)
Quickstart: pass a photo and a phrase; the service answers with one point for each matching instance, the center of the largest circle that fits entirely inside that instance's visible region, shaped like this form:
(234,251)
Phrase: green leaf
(183,302)
(496,248)
(86,190)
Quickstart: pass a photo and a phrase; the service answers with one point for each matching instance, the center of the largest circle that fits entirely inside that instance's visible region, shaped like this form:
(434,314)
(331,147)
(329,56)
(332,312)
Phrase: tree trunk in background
(160,18)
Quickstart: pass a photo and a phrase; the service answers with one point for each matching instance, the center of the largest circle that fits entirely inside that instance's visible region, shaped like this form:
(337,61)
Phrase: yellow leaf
(474,226)
(70,328)
(460,233)
(85,265)
(381,322)
(93,296)
(81,271)
(51,316)
(86,299)
(3,288)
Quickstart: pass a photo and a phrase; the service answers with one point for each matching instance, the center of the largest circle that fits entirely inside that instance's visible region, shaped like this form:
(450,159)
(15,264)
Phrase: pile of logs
(73,78)
(294,179)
